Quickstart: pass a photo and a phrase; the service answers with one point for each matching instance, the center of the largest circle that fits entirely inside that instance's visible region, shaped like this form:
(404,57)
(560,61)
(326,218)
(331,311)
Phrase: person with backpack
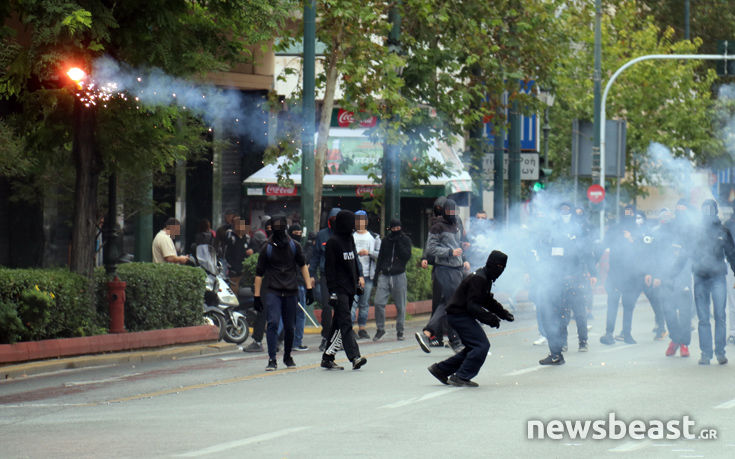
(276,277)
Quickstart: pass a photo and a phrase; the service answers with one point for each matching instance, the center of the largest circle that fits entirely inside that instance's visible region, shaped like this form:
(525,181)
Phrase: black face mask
(450,212)
(279,227)
(495,265)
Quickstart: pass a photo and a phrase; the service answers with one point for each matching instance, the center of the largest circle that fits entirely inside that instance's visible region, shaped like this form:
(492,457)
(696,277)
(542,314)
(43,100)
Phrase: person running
(470,303)
(344,279)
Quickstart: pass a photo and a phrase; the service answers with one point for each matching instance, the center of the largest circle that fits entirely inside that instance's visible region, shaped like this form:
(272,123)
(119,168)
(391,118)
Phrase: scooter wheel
(216,320)
(238,331)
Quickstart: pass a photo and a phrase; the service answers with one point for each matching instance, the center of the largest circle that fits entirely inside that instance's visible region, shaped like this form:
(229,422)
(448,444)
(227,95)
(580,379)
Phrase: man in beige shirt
(164,250)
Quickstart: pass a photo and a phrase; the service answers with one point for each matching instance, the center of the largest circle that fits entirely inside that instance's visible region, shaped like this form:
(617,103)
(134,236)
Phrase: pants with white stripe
(341,333)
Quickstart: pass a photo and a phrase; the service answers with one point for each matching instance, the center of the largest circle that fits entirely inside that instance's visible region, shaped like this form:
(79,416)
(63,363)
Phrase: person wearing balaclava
(444,245)
(295,233)
(471,302)
(344,281)
(569,269)
(730,225)
(648,257)
(316,265)
(707,249)
(276,288)
(395,251)
(625,278)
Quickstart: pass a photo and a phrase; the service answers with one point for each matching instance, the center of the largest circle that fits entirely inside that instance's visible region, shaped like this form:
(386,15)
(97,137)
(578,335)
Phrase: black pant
(629,293)
(467,363)
(447,280)
(259,326)
(326,308)
(341,331)
(654,297)
(573,302)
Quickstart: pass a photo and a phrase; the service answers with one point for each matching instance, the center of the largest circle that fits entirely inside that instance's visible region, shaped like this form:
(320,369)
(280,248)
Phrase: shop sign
(276,190)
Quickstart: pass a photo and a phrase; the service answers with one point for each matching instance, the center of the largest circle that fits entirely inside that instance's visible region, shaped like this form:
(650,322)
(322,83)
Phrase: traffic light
(543,176)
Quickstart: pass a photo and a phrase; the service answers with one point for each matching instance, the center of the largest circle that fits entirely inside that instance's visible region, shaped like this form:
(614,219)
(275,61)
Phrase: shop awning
(349,152)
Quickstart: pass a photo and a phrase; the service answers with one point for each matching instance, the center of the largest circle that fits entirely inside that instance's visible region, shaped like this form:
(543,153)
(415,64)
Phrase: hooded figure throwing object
(344,279)
(473,302)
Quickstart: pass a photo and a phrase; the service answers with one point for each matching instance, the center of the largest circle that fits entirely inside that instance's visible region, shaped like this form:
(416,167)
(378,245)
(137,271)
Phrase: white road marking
(618,348)
(430,395)
(682,450)
(99,381)
(524,371)
(245,441)
(630,446)
(726,405)
(43,405)
(225,359)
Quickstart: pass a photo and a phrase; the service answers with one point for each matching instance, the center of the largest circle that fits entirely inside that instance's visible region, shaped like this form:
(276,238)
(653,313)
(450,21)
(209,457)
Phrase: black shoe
(629,340)
(456,346)
(378,334)
(358,362)
(421,338)
(552,359)
(253,347)
(459,382)
(436,342)
(272,365)
(331,365)
(607,339)
(300,348)
(399,337)
(437,373)
(323,345)
(721,359)
(288,361)
(703,361)
(583,347)
(362,334)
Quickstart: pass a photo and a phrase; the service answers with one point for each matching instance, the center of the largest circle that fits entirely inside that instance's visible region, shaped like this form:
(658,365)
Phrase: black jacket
(341,266)
(474,292)
(280,271)
(395,251)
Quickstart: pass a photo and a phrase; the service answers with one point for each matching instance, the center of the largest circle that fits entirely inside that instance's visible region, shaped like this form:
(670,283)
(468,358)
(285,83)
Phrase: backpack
(291,245)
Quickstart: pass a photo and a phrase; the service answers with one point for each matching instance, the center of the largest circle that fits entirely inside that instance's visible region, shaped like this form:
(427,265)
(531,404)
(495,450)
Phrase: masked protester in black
(652,282)
(473,302)
(707,249)
(316,265)
(276,278)
(568,261)
(625,279)
(344,280)
(444,245)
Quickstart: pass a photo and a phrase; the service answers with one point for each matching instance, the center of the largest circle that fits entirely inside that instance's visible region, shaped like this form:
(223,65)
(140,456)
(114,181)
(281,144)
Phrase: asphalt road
(226,405)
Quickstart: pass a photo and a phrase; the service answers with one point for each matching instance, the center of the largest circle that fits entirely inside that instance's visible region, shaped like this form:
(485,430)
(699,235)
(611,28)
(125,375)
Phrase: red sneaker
(684,351)
(671,350)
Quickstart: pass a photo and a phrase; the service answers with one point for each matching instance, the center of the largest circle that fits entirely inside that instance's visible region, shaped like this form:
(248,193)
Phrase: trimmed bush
(158,296)
(419,279)
(248,270)
(50,303)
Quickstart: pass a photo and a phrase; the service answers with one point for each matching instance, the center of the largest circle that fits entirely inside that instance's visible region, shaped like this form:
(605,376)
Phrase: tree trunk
(321,143)
(88,164)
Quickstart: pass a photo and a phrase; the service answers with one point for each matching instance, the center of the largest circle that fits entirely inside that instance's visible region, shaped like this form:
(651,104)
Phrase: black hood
(344,223)
(439,206)
(495,265)
(279,225)
(450,212)
(292,228)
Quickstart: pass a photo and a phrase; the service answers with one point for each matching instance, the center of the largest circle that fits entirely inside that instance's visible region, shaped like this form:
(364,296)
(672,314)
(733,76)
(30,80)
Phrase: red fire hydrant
(116,302)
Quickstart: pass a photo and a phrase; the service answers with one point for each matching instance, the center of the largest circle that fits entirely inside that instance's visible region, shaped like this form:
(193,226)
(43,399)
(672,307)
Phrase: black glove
(360,291)
(257,304)
(488,318)
(309,296)
(333,300)
(505,315)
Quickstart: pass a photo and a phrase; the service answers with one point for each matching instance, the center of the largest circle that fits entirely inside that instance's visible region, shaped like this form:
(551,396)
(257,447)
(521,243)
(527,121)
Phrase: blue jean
(277,308)
(300,321)
(467,363)
(716,287)
(361,307)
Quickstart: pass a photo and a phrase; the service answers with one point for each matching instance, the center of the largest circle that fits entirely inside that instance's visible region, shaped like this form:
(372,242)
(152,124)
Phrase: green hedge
(45,303)
(419,280)
(157,295)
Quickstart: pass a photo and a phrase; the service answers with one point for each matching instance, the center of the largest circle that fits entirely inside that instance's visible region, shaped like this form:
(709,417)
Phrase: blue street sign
(529,125)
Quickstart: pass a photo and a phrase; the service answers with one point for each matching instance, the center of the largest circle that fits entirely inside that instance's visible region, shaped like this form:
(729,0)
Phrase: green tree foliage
(668,102)
(41,39)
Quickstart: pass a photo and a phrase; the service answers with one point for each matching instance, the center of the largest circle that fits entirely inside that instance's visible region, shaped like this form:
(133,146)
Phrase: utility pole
(477,152)
(309,116)
(597,88)
(498,166)
(392,152)
(514,166)
(686,20)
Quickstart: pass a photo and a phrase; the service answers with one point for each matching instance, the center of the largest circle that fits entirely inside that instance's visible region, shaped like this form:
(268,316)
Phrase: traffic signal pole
(391,151)
(309,117)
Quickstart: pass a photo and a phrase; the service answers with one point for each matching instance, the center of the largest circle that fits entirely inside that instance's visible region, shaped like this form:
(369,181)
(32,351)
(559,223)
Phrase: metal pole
(686,19)
(144,225)
(597,158)
(111,249)
(392,161)
(498,167)
(710,57)
(309,114)
(514,166)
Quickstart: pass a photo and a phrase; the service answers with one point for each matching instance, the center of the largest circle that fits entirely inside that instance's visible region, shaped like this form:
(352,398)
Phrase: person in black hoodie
(344,280)
(472,302)
(277,270)
(395,251)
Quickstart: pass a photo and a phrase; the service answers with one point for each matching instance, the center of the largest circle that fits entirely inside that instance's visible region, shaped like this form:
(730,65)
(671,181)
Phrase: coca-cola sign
(347,119)
(362,190)
(276,190)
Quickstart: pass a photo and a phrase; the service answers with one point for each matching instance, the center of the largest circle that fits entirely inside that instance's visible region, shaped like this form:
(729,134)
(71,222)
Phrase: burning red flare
(77,75)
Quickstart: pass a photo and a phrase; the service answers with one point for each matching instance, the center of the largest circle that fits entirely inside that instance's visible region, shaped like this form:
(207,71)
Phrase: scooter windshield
(207,258)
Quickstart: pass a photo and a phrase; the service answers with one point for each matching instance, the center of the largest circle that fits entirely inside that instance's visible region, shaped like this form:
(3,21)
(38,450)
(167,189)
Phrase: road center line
(630,446)
(430,395)
(100,381)
(245,441)
(524,371)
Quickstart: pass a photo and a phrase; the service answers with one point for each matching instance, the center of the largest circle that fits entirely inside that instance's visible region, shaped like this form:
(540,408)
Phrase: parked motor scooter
(221,306)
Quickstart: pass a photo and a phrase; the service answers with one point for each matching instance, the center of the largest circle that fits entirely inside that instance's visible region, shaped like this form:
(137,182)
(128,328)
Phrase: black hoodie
(474,291)
(341,266)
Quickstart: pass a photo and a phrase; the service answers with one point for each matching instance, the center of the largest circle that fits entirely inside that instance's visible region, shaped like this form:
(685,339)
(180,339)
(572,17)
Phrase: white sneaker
(540,341)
